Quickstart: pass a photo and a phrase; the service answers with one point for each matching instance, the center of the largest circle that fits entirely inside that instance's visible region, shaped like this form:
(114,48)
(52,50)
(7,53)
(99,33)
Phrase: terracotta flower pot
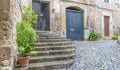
(23,61)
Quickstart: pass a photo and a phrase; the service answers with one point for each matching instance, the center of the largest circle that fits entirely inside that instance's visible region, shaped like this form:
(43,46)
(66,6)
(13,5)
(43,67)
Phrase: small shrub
(93,36)
(25,34)
(115,37)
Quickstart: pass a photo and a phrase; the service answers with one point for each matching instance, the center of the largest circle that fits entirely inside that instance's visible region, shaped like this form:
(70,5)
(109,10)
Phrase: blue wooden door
(74,24)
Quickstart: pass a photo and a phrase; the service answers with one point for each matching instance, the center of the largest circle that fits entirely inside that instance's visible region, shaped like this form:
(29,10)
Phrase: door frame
(110,23)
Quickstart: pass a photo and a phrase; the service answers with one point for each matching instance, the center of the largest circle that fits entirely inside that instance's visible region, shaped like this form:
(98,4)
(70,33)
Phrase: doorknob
(72,29)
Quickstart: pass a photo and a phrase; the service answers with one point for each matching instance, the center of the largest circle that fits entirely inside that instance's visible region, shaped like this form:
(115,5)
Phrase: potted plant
(26,35)
(24,53)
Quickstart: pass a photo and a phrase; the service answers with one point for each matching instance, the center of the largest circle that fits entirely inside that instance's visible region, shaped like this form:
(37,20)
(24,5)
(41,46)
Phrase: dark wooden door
(43,11)
(74,24)
(106,25)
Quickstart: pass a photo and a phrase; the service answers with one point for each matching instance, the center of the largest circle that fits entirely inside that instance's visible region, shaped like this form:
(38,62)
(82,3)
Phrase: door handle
(72,29)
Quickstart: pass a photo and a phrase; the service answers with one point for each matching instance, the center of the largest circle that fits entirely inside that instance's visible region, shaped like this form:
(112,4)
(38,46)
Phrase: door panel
(74,24)
(106,25)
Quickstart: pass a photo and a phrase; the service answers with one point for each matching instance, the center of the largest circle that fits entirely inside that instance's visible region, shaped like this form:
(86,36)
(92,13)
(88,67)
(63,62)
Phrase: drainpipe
(88,12)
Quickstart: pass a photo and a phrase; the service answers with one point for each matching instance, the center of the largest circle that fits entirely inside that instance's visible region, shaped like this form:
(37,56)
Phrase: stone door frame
(63,16)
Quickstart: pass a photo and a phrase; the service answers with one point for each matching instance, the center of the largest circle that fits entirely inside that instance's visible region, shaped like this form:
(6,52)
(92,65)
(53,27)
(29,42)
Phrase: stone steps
(53,43)
(34,66)
(58,46)
(50,51)
(46,33)
(53,40)
(51,58)
(51,37)
(39,48)
(53,52)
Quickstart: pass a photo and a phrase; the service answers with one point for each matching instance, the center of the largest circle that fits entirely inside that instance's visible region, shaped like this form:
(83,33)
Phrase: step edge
(50,63)
(52,56)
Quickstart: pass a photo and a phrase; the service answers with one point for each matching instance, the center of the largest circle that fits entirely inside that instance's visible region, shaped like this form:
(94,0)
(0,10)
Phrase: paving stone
(97,55)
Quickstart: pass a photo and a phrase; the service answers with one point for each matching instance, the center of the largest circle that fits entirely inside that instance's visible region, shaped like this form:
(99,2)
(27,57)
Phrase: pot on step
(23,61)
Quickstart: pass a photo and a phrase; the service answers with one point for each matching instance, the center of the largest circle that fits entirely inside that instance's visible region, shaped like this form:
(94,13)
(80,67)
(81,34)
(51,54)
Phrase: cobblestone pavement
(97,55)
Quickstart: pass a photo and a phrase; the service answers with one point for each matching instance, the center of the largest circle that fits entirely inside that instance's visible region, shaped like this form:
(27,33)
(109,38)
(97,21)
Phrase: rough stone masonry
(9,15)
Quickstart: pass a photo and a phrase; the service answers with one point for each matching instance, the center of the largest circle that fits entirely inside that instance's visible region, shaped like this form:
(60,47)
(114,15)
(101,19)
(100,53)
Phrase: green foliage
(26,50)
(25,34)
(115,37)
(29,15)
(93,36)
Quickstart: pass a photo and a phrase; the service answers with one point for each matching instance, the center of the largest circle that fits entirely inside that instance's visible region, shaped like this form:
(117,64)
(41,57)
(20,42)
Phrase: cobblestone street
(97,55)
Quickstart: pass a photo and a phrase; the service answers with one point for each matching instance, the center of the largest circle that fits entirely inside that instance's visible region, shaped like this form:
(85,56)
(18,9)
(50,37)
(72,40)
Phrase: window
(106,1)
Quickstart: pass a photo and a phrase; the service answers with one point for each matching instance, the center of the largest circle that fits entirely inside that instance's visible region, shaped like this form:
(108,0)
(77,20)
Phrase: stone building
(73,19)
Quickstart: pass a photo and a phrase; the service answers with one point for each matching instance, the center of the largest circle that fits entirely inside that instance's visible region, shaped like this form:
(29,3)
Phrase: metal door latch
(72,29)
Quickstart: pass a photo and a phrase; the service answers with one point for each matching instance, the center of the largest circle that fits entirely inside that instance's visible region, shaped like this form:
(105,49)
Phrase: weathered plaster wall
(55,15)
(96,10)
(26,2)
(107,9)
(116,19)
(111,5)
(10,14)
(58,14)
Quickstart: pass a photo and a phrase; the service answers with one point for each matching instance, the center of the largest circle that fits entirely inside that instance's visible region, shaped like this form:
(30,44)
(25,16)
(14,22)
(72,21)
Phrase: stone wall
(5,24)
(107,9)
(15,16)
(94,10)
(10,14)
(5,32)
(56,17)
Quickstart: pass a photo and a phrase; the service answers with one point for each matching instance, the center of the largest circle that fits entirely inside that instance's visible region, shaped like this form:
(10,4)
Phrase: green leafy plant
(29,15)
(25,34)
(115,37)
(26,50)
(93,36)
